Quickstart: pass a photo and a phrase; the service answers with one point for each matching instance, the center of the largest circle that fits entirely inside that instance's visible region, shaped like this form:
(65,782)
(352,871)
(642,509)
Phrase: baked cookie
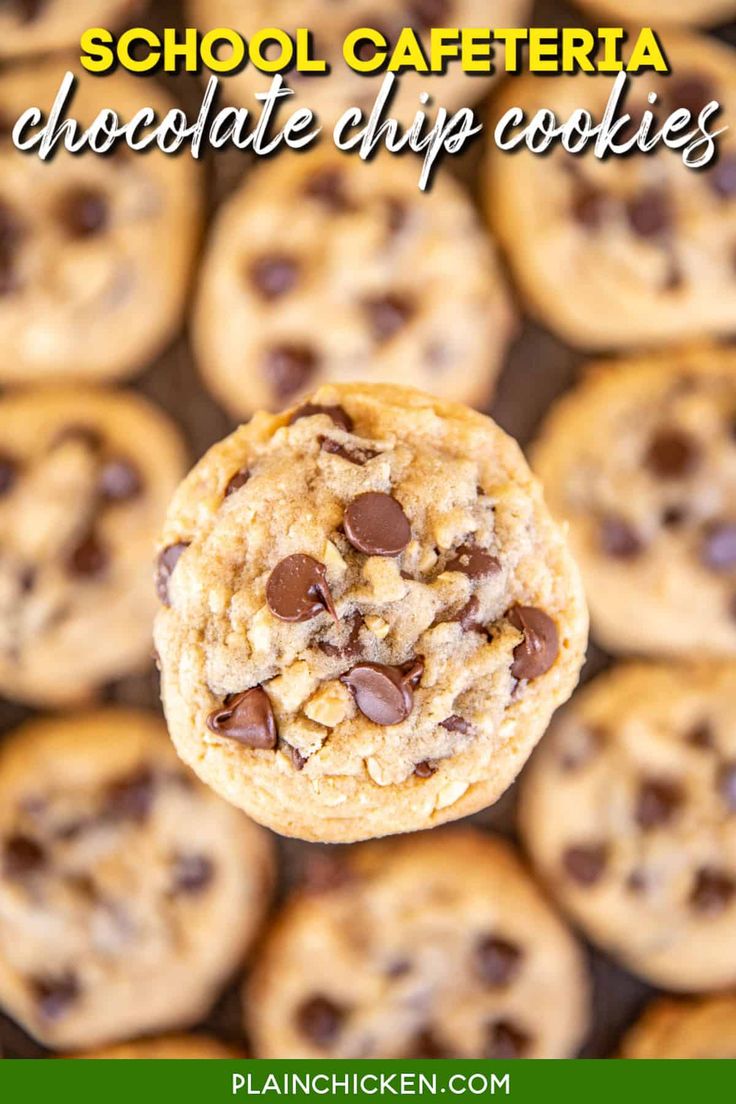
(128,892)
(623,251)
(640,459)
(95,251)
(704,1028)
(85,477)
(326,268)
(41,26)
(434,946)
(330,23)
(628,812)
(368,616)
(657,13)
(168,1046)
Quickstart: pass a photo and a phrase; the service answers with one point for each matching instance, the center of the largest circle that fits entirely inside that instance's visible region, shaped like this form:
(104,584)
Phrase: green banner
(95,1082)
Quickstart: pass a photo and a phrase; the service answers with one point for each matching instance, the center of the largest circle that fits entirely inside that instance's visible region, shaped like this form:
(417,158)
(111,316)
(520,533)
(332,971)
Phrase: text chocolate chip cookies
(436,946)
(128,892)
(367,616)
(624,251)
(95,251)
(629,812)
(85,476)
(702,1028)
(640,459)
(325,268)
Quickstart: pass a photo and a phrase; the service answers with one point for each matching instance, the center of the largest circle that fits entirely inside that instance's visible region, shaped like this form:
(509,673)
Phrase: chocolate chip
(320,1020)
(22,856)
(456,724)
(692,91)
(54,995)
(297,589)
(474,562)
(376,524)
(673,517)
(538,650)
(672,454)
(636,882)
(120,480)
(8,473)
(497,962)
(650,213)
(382,693)
(589,205)
(247,718)
(424,14)
(727,785)
(338,416)
(274,275)
(468,618)
(83,435)
(89,558)
(298,761)
(712,891)
(191,873)
(657,803)
(585,864)
(131,797)
(718,549)
(84,212)
(165,564)
(27,11)
(701,736)
(387,314)
(289,367)
(238,480)
(352,645)
(425,769)
(722,177)
(327,186)
(426,1045)
(505,1040)
(355,454)
(619,539)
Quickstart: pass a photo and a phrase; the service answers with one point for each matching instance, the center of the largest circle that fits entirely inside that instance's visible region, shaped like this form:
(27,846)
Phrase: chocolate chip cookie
(367,614)
(704,1028)
(168,1046)
(95,251)
(658,13)
(640,459)
(433,946)
(85,476)
(42,26)
(128,892)
(329,96)
(624,251)
(629,812)
(326,268)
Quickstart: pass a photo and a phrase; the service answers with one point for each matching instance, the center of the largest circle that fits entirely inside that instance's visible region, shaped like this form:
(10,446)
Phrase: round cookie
(623,251)
(434,946)
(41,26)
(704,1028)
(168,1046)
(640,460)
(128,892)
(95,251)
(628,810)
(85,477)
(330,23)
(324,268)
(657,13)
(368,616)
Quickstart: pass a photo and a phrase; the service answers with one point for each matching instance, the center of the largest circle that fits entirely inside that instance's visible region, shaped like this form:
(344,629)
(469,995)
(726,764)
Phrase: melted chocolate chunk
(701,736)
(376,524)
(382,693)
(426,1045)
(424,14)
(585,864)
(297,589)
(727,785)
(425,769)
(387,315)
(191,873)
(355,454)
(589,205)
(475,562)
(131,798)
(289,367)
(692,91)
(497,962)
(650,213)
(336,414)
(718,549)
(456,723)
(8,473)
(237,481)
(352,647)
(657,803)
(55,995)
(505,1040)
(167,561)
(88,559)
(22,856)
(120,480)
(274,275)
(468,618)
(539,648)
(712,891)
(619,539)
(672,454)
(320,1020)
(247,718)
(327,186)
(298,761)
(84,212)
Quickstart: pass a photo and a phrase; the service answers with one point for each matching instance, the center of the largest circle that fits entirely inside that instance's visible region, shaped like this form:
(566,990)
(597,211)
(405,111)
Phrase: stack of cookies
(366,606)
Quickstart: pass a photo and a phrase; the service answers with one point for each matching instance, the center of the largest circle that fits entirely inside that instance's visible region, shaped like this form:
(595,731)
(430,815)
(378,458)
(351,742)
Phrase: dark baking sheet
(537,369)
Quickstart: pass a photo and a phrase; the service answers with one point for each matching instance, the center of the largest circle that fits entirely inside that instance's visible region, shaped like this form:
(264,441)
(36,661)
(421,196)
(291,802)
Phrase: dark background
(538,367)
